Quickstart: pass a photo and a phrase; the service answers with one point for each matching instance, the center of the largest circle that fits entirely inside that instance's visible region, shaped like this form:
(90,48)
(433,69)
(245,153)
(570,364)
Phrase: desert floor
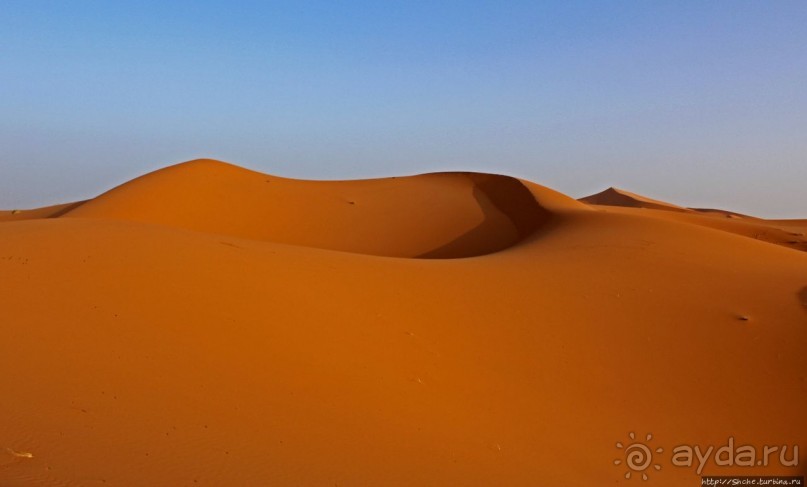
(209,325)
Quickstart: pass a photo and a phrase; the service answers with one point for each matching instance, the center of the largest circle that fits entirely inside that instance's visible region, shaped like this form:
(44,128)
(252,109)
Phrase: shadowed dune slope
(151,337)
(442,215)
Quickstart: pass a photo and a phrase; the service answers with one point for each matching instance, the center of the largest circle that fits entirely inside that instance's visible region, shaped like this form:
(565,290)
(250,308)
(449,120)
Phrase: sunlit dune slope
(434,215)
(153,336)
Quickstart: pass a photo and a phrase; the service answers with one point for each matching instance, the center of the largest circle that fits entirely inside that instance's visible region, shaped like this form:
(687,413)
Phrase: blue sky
(699,103)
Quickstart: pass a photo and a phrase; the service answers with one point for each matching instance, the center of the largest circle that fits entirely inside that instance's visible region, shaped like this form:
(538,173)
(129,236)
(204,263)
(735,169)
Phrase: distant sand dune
(620,197)
(54,211)
(787,233)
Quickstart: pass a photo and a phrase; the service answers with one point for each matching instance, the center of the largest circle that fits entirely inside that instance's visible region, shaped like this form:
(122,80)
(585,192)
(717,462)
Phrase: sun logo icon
(638,456)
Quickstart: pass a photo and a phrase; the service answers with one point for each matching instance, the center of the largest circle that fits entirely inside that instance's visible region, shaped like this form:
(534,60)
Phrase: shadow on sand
(497,195)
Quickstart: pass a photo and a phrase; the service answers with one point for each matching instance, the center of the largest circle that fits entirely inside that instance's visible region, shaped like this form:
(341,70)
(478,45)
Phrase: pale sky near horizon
(700,103)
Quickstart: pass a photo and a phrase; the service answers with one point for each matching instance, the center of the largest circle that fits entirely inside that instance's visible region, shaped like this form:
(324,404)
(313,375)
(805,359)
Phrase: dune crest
(619,197)
(441,215)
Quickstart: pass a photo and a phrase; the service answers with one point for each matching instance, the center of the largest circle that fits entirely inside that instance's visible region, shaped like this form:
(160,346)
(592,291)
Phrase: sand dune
(620,197)
(54,211)
(209,325)
(435,215)
(787,233)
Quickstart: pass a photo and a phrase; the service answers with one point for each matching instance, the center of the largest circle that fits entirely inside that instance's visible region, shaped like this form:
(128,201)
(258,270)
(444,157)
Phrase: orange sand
(210,325)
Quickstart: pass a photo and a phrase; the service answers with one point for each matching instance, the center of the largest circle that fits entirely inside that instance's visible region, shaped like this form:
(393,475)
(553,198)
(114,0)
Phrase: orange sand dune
(787,233)
(208,325)
(620,197)
(434,215)
(45,212)
(720,213)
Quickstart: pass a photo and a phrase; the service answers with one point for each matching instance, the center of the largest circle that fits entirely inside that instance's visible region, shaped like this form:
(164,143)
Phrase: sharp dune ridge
(206,324)
(619,197)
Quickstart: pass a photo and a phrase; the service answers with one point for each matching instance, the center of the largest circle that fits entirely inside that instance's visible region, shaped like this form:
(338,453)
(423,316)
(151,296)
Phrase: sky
(700,103)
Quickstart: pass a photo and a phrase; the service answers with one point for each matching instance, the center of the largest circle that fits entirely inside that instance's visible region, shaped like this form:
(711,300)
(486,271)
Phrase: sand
(210,325)
(788,233)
